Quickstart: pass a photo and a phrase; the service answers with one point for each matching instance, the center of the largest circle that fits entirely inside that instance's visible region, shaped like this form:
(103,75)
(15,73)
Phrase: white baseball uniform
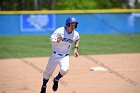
(61,51)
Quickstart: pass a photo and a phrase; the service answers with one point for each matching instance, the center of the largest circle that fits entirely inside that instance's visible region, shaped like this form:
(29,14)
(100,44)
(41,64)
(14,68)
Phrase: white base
(98,69)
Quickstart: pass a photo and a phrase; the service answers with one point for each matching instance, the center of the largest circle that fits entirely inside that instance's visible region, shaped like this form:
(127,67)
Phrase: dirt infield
(24,75)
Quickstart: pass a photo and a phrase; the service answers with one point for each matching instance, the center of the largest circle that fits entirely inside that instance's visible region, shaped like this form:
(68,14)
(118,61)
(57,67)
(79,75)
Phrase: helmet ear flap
(68,24)
(76,25)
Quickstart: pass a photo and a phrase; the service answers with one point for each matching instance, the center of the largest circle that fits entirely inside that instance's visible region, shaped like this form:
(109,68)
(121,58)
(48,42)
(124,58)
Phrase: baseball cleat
(43,89)
(55,85)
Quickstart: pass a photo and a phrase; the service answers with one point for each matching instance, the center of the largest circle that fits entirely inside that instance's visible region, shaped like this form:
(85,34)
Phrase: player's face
(71,27)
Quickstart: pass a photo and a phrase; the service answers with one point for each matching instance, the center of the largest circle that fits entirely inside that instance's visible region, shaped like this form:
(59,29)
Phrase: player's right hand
(59,39)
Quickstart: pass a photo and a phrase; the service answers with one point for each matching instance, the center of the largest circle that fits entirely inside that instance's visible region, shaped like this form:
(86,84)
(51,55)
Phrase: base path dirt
(24,75)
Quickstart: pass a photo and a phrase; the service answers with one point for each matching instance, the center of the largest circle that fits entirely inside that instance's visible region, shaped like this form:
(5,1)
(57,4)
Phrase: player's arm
(76,44)
(56,37)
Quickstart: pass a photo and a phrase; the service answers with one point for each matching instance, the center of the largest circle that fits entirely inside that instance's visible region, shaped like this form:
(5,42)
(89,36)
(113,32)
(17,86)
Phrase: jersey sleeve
(77,36)
(54,36)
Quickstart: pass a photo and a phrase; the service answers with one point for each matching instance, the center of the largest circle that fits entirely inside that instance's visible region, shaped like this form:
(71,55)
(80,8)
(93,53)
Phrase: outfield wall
(90,22)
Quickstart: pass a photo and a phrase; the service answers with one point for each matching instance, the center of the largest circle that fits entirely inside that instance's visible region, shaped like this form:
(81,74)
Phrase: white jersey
(64,46)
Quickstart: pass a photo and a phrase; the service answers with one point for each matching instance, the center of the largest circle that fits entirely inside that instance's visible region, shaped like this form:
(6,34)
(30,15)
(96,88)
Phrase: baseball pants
(54,60)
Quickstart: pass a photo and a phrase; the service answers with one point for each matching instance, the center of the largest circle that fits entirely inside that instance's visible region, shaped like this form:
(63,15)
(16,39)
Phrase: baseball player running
(61,41)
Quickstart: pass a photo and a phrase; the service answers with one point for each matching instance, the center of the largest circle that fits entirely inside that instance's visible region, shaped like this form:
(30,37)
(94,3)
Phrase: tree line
(8,5)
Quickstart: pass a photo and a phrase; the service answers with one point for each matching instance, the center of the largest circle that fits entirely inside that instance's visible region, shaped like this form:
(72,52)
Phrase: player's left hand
(76,53)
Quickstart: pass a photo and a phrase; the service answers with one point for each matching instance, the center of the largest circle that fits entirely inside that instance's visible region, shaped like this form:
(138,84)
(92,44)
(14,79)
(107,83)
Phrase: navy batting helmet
(71,20)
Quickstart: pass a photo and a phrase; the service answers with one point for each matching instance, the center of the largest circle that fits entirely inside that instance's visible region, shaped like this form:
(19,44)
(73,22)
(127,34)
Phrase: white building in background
(133,3)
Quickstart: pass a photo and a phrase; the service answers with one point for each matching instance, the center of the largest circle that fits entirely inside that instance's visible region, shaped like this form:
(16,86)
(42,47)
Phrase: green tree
(88,4)
(75,4)
(62,4)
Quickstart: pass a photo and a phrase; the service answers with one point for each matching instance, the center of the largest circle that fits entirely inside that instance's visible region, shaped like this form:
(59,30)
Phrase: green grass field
(39,45)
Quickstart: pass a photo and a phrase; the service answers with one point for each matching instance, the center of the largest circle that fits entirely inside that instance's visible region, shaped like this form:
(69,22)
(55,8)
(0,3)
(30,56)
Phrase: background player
(61,41)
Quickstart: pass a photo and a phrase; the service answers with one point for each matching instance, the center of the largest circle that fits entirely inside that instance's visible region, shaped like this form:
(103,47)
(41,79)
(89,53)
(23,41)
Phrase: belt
(60,54)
